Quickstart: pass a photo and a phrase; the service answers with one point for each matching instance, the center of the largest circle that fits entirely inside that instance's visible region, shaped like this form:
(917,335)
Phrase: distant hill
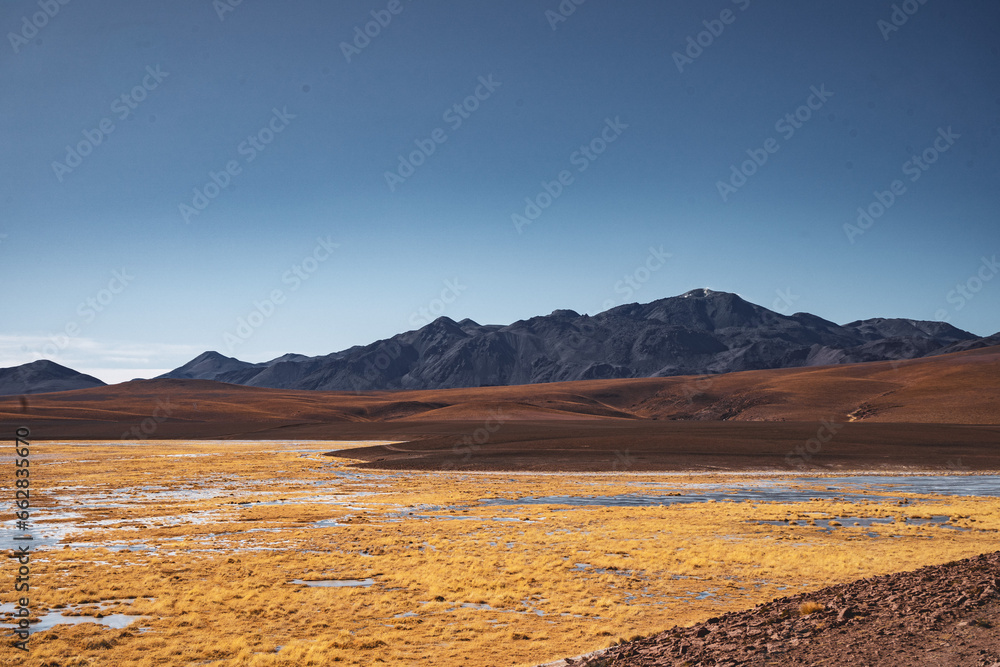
(41,377)
(699,332)
(937,413)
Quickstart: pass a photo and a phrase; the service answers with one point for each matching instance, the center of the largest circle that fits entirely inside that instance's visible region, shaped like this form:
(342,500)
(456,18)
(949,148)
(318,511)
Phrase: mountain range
(699,332)
(41,377)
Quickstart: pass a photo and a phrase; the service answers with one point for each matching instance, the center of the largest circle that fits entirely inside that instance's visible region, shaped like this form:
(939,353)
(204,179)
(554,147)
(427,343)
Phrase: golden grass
(810,607)
(217,531)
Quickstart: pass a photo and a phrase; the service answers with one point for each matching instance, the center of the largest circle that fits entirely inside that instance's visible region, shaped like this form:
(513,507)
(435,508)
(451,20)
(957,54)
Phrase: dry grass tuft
(810,607)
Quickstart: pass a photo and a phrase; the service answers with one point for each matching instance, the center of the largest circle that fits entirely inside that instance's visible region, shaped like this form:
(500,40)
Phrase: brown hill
(961,388)
(660,422)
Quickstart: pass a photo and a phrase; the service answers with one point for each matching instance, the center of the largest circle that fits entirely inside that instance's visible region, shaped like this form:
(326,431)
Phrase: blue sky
(186,176)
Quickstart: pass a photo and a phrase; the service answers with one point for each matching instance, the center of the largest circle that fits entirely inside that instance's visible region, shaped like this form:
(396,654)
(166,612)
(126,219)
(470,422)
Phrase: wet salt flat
(52,619)
(959,485)
(71,615)
(335,583)
(405,558)
(48,529)
(52,528)
(833,523)
(852,489)
(644,500)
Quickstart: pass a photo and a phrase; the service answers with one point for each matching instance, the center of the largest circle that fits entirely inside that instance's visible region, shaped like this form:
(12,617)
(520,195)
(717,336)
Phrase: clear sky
(260,177)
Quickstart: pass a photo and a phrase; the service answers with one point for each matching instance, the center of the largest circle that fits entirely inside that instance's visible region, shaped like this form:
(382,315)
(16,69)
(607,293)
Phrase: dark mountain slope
(41,377)
(699,332)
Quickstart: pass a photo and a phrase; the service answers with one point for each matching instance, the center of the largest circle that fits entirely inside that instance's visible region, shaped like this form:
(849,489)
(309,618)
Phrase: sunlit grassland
(207,537)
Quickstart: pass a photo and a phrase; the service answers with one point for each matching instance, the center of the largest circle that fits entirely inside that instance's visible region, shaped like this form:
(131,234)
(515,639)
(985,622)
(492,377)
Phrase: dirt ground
(945,615)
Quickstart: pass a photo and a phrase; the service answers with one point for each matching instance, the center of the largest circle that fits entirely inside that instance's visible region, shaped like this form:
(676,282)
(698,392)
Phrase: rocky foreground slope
(939,615)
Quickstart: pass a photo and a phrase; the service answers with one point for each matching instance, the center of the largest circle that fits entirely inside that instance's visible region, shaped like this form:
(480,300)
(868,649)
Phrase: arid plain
(496,526)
